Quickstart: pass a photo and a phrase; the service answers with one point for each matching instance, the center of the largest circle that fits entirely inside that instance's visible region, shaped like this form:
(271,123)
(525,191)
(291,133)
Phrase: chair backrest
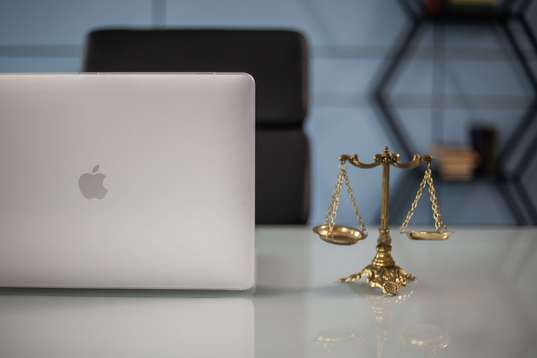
(278,61)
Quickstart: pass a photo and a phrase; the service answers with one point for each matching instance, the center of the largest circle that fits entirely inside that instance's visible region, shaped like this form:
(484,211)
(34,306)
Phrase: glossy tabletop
(474,297)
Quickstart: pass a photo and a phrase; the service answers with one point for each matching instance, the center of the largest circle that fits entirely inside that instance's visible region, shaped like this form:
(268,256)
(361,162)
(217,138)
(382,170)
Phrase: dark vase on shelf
(485,142)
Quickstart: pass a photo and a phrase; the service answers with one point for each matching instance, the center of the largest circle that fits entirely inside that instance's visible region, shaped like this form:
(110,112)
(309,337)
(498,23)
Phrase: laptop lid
(127,181)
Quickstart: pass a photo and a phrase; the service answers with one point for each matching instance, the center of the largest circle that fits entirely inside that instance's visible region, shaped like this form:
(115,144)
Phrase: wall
(348,39)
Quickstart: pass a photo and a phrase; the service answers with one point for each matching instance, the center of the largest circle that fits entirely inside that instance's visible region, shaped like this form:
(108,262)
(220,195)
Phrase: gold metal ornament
(382,273)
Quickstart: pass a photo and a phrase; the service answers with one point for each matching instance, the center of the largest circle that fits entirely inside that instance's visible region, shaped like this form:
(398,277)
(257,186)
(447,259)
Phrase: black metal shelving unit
(505,15)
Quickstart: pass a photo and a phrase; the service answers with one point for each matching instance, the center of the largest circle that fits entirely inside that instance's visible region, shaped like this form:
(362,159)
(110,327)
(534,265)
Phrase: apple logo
(91,184)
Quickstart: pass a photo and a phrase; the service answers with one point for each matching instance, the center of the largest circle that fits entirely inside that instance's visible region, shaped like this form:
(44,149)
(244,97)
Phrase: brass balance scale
(382,273)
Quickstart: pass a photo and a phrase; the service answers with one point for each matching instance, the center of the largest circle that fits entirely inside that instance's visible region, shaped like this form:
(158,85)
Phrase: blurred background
(455,78)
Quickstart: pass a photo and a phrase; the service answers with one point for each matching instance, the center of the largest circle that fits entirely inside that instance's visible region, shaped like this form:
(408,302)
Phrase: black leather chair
(277,60)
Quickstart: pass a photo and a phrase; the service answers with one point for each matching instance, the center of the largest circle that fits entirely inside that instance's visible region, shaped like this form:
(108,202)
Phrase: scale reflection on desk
(382,273)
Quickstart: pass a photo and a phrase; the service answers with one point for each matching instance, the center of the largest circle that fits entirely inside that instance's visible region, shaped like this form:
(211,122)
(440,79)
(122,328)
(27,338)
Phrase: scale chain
(414,204)
(354,204)
(438,222)
(437,216)
(342,179)
(334,203)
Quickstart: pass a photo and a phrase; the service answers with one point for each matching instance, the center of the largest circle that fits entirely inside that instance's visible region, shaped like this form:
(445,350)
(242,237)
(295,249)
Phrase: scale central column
(385,196)
(383,258)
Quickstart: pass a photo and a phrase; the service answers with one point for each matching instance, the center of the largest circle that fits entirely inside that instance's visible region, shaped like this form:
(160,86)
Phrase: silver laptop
(127,181)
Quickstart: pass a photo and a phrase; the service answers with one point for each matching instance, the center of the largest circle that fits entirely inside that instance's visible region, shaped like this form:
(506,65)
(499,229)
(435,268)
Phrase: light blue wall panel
(342,75)
(39,64)
(363,23)
(474,78)
(481,37)
(458,123)
(65,22)
(327,23)
(347,75)
(473,36)
(529,181)
(414,77)
(240,13)
(418,125)
(467,204)
(424,129)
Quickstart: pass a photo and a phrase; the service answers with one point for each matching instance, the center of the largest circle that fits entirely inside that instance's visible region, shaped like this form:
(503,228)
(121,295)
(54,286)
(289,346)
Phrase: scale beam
(353,160)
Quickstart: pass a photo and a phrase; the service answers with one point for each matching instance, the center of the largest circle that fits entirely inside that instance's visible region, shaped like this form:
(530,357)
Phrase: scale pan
(341,235)
(428,235)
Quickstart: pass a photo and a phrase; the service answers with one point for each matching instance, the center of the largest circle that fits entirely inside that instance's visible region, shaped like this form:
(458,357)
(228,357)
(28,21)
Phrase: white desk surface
(475,296)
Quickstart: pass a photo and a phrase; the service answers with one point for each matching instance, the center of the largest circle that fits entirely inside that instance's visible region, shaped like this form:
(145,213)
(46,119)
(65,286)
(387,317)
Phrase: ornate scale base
(389,279)
(383,273)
